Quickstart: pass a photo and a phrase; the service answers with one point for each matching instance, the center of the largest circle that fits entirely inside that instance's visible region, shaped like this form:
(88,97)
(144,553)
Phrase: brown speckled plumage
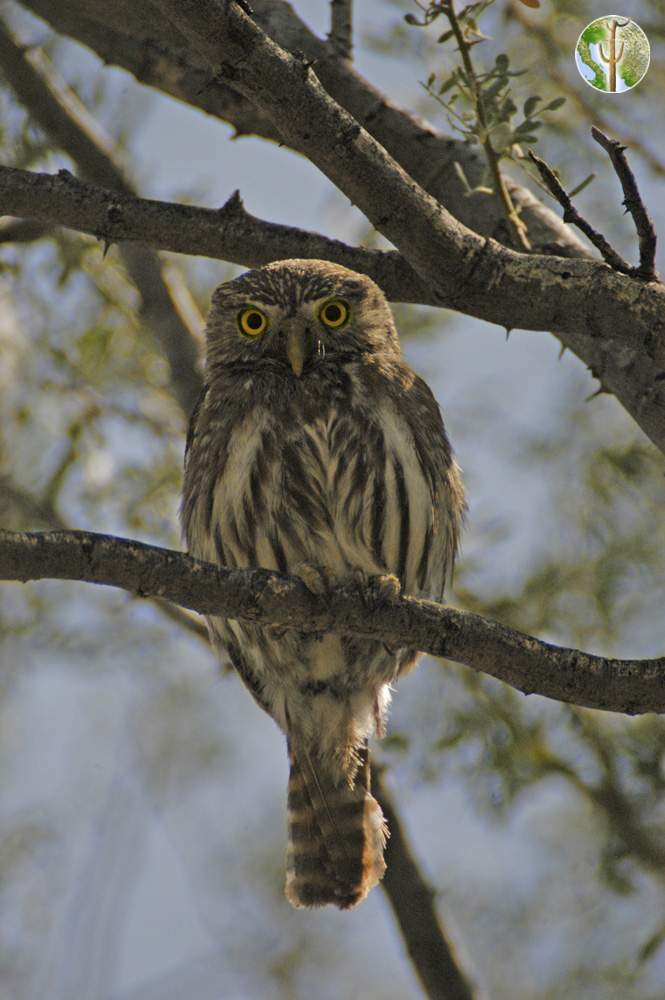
(319,452)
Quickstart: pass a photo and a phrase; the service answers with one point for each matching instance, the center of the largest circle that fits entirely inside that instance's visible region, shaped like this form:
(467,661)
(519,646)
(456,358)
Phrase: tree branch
(146,45)
(412,902)
(571,215)
(265,597)
(633,202)
(616,325)
(621,356)
(439,248)
(463,270)
(43,510)
(63,117)
(577,289)
(229,233)
(341,27)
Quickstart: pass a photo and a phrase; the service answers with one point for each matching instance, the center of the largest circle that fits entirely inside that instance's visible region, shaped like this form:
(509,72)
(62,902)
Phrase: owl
(315,450)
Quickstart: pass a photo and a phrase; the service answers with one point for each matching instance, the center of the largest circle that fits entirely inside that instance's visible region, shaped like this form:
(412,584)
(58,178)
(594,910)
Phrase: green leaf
(530,105)
(507,109)
(445,36)
(581,186)
(502,62)
(447,84)
(490,93)
(528,126)
(553,105)
(501,137)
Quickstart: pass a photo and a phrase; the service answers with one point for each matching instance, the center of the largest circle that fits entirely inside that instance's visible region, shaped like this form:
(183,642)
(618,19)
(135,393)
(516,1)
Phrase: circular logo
(612,54)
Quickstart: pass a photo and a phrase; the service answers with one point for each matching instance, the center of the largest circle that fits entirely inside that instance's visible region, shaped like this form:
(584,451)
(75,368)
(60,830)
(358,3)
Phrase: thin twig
(412,902)
(571,215)
(633,201)
(491,155)
(340,35)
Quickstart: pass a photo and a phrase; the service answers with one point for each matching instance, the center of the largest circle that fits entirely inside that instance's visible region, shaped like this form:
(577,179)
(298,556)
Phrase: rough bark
(257,595)
(617,324)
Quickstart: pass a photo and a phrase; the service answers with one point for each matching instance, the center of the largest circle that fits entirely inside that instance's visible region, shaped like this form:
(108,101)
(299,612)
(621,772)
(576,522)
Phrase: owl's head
(297,314)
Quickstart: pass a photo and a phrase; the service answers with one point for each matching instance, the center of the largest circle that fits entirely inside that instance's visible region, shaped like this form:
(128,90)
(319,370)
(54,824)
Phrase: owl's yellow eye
(334,313)
(252,322)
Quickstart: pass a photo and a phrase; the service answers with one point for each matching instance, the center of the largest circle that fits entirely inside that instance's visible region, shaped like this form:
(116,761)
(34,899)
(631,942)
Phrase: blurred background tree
(133,863)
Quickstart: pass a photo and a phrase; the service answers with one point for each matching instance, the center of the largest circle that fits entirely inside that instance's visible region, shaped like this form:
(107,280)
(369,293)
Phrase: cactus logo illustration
(612,54)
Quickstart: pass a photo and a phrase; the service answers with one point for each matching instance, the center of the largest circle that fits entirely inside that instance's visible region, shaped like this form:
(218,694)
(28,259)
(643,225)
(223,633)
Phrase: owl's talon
(379,589)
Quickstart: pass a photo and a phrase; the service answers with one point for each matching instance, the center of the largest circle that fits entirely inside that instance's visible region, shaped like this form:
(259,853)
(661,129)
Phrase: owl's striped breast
(342,489)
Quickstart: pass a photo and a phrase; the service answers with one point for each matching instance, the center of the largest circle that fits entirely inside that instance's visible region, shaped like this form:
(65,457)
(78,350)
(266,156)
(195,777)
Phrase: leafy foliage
(480,105)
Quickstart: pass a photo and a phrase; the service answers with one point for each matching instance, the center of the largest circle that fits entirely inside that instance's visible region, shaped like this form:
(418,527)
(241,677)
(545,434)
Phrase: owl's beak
(296,348)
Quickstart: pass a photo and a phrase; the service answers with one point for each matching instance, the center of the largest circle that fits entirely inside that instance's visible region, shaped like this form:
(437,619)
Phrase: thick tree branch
(262,596)
(63,117)
(437,246)
(229,233)
(462,269)
(576,289)
(146,45)
(43,510)
(616,324)
(135,37)
(412,902)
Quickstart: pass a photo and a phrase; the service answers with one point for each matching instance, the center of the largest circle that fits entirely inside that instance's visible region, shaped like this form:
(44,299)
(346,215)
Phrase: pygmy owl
(314,449)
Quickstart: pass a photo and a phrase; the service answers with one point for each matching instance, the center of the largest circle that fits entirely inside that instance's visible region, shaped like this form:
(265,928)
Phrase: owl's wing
(443,481)
(193,422)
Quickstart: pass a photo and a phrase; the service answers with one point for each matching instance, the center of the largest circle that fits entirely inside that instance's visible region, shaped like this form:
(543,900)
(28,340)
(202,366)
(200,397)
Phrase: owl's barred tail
(337,834)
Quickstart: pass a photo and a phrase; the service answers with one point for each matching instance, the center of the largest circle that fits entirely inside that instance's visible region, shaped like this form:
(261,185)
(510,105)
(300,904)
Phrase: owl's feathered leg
(337,832)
